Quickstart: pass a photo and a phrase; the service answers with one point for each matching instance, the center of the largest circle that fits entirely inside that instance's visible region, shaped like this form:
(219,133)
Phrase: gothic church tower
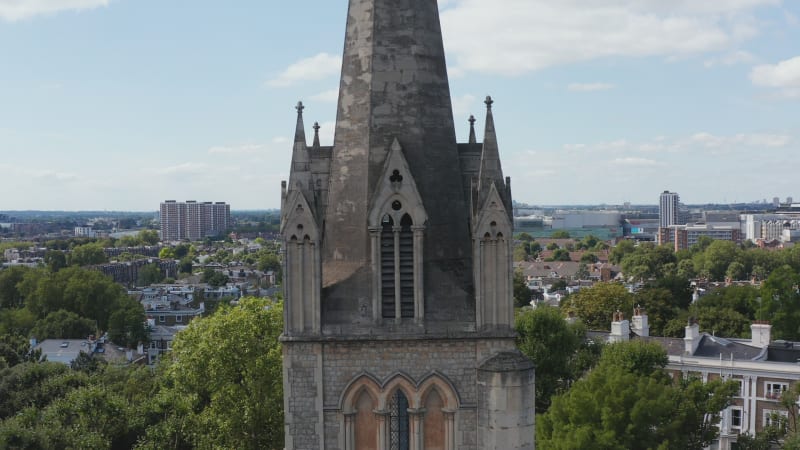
(398,244)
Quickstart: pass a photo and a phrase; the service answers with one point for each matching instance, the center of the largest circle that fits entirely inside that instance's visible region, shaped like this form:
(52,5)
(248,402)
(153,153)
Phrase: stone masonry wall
(300,381)
(456,359)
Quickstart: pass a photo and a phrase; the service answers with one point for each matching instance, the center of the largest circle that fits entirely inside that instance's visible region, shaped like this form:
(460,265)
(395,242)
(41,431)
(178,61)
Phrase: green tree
(167,253)
(127,325)
(209,377)
(560,255)
(589,242)
(582,273)
(545,337)
(525,237)
(185,265)
(686,269)
(213,278)
(182,251)
(623,248)
(735,271)
(10,295)
(85,292)
(560,234)
(16,321)
(596,305)
(128,241)
(717,258)
(648,261)
(63,324)
(35,384)
(660,305)
(780,303)
(628,402)
(55,260)
(87,255)
(148,237)
(522,295)
(727,311)
(149,274)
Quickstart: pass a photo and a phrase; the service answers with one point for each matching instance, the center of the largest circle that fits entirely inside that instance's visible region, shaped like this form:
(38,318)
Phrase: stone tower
(398,299)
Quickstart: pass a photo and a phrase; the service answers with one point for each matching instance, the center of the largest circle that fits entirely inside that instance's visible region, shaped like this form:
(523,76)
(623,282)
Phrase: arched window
(398,421)
(365,426)
(435,422)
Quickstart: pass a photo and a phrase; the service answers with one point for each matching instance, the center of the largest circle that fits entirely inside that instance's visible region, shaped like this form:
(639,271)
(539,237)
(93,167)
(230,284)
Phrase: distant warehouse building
(685,236)
(193,220)
(769,227)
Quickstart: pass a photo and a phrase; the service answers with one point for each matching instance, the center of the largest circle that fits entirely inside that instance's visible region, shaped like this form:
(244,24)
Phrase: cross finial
(471,120)
(299,107)
(489,102)
(316,127)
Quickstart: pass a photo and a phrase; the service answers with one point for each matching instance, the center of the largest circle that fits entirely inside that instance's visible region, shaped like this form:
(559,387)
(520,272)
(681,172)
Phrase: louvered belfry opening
(397,268)
(406,268)
(387,268)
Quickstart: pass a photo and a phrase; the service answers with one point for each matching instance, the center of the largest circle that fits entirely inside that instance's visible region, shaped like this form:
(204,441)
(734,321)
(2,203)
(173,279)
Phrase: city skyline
(115,104)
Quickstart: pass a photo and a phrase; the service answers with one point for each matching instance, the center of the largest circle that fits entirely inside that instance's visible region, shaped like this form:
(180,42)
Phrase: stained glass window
(398,421)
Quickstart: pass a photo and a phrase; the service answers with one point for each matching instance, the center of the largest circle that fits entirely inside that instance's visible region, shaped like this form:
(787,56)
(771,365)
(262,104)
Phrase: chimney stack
(639,323)
(692,339)
(760,333)
(620,328)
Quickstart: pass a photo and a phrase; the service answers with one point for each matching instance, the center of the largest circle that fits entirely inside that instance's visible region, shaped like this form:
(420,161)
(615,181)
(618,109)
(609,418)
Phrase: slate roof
(713,346)
(783,351)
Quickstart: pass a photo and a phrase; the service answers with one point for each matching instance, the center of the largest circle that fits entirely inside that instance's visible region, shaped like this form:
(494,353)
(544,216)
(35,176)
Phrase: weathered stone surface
(394,85)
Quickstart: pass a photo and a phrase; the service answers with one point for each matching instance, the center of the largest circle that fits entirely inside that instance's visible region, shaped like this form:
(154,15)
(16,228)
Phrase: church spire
(394,86)
(300,174)
(490,170)
(316,135)
(300,130)
(472,138)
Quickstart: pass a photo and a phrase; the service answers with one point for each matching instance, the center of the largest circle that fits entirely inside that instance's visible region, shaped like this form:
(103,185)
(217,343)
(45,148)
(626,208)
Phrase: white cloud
(709,140)
(330,96)
(45,174)
(13,10)
(589,87)
(730,59)
(326,132)
(462,104)
(636,162)
(318,67)
(183,168)
(783,75)
(791,19)
(535,34)
(238,149)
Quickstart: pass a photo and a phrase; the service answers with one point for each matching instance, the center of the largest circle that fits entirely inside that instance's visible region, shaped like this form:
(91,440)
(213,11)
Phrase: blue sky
(121,104)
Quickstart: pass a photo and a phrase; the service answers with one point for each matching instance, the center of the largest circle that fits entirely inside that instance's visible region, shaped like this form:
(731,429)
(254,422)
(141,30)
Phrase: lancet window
(398,421)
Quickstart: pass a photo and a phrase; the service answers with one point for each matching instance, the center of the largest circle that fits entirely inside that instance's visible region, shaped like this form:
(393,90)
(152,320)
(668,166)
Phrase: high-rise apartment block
(193,220)
(669,209)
